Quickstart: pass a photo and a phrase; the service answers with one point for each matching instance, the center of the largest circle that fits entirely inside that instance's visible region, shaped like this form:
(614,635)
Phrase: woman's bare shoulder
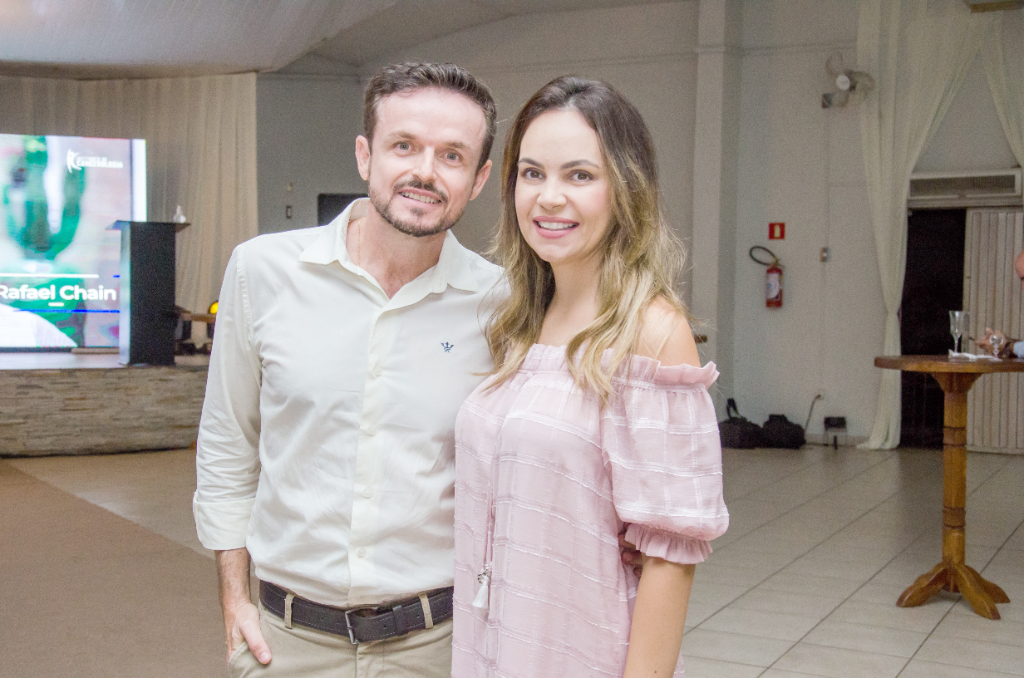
(666,335)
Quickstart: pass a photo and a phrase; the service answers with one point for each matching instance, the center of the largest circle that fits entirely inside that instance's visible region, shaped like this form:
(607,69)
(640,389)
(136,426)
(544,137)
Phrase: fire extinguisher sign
(777,230)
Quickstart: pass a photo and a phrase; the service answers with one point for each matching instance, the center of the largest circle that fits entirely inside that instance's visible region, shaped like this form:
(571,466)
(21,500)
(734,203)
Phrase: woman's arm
(664,590)
(658,618)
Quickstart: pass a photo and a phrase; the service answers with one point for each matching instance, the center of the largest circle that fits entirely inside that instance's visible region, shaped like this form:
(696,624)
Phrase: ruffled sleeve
(661,444)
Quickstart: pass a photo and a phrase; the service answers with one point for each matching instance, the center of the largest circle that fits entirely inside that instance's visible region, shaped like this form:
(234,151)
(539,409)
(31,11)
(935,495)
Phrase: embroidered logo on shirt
(447,347)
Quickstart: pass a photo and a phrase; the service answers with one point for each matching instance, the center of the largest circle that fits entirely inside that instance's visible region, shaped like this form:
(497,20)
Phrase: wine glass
(996,340)
(958,321)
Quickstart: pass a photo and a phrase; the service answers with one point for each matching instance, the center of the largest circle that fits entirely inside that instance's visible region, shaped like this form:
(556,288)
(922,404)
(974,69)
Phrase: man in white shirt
(1003,346)
(342,356)
(24,329)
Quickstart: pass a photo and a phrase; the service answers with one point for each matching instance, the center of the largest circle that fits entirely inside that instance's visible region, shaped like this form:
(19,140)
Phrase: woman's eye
(530,173)
(580,175)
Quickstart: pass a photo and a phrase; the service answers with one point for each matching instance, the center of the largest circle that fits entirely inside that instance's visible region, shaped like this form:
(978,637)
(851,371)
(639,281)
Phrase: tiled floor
(804,583)
(822,543)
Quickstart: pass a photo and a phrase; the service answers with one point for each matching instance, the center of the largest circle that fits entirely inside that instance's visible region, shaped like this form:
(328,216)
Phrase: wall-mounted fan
(850,86)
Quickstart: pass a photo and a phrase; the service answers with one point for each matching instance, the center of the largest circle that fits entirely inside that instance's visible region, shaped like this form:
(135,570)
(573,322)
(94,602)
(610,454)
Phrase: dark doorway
(933,286)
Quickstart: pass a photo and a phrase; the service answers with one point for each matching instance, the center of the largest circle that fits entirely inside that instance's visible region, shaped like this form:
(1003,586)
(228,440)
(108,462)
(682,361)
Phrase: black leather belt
(360,624)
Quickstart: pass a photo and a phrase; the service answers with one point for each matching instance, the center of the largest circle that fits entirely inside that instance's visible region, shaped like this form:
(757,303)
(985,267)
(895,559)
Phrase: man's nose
(425,167)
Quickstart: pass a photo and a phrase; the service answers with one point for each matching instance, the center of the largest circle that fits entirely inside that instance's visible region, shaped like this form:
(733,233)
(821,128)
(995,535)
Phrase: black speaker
(148,318)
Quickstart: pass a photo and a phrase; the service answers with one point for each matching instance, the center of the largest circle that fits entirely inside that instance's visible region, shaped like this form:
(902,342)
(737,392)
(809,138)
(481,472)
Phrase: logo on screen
(77,162)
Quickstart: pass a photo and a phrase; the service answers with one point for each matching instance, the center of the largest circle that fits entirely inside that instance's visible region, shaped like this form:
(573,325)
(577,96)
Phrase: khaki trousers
(307,653)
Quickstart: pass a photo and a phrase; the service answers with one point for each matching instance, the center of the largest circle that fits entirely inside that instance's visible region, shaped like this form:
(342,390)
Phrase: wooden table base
(952,574)
(978,591)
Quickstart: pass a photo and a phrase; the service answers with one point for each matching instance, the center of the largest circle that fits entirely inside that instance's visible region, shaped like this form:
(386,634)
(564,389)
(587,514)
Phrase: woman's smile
(554,227)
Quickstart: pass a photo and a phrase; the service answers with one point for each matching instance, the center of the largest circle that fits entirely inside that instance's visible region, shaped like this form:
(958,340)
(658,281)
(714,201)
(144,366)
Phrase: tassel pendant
(482,600)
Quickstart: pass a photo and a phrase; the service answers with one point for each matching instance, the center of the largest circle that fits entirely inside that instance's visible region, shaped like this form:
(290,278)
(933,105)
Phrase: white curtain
(919,52)
(1004,65)
(201,154)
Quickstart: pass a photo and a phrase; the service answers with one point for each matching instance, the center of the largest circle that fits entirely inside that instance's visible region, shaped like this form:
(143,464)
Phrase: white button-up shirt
(326,444)
(24,329)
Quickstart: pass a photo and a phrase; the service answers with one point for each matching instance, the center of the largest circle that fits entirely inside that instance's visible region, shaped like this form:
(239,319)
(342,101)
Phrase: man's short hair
(415,75)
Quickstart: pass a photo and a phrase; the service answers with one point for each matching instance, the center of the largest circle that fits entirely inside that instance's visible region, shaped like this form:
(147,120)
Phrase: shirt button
(371,430)
(367,493)
(361,553)
(377,371)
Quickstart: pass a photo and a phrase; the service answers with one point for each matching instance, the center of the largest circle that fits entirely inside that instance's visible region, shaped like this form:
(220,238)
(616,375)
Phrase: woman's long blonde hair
(640,258)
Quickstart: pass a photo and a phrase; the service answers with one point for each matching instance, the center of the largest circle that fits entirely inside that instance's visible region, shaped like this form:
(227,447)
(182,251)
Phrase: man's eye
(452,156)
(403,146)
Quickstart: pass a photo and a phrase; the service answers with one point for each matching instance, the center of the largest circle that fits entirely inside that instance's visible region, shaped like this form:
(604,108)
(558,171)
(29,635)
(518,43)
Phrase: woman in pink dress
(597,419)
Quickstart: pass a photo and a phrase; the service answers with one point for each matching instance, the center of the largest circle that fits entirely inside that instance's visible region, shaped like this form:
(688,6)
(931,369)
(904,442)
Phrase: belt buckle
(348,624)
(348,619)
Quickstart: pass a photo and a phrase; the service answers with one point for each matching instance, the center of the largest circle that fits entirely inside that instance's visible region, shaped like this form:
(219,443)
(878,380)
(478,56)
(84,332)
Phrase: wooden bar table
(955,376)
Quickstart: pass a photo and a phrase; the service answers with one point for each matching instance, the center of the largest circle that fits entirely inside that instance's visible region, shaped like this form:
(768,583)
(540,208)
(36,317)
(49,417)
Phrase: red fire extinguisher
(772,277)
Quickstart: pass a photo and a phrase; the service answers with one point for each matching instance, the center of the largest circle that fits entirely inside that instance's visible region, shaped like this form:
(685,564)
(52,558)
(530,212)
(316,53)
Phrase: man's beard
(383,207)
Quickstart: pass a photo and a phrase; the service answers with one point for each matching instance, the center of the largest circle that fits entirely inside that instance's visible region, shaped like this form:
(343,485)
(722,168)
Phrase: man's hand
(630,556)
(992,342)
(245,625)
(985,343)
(241,617)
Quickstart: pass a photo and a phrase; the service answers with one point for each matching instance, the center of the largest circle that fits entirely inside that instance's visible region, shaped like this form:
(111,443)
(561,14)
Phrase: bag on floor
(737,431)
(781,432)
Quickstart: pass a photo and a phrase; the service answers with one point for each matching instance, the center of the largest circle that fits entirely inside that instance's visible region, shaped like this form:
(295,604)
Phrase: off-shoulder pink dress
(546,477)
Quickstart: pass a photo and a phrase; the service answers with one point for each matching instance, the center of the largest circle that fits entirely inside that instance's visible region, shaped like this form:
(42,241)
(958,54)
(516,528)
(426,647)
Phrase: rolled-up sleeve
(227,452)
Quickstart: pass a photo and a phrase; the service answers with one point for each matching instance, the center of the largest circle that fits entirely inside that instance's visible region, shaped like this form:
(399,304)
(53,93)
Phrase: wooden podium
(147,318)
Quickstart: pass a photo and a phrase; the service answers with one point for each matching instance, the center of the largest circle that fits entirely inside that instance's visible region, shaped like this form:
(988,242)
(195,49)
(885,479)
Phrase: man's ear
(481,179)
(363,156)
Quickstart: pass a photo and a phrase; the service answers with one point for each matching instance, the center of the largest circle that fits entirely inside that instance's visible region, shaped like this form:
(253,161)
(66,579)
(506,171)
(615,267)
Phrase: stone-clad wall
(92,411)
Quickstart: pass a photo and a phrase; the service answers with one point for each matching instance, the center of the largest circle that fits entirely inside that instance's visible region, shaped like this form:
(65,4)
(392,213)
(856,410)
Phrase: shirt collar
(454,267)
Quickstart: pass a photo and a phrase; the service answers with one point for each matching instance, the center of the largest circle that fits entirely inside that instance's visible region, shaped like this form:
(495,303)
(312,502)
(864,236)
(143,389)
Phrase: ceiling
(90,39)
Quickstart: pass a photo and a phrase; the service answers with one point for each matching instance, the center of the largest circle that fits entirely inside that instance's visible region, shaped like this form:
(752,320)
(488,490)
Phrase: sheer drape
(1004,65)
(201,153)
(919,52)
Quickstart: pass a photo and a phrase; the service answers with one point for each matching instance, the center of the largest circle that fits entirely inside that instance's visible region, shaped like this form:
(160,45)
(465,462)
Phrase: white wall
(803,165)
(646,52)
(305,136)
(715,160)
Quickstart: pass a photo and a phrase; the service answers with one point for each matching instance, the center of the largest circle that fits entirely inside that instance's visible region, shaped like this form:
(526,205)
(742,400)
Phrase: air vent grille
(993,5)
(967,189)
